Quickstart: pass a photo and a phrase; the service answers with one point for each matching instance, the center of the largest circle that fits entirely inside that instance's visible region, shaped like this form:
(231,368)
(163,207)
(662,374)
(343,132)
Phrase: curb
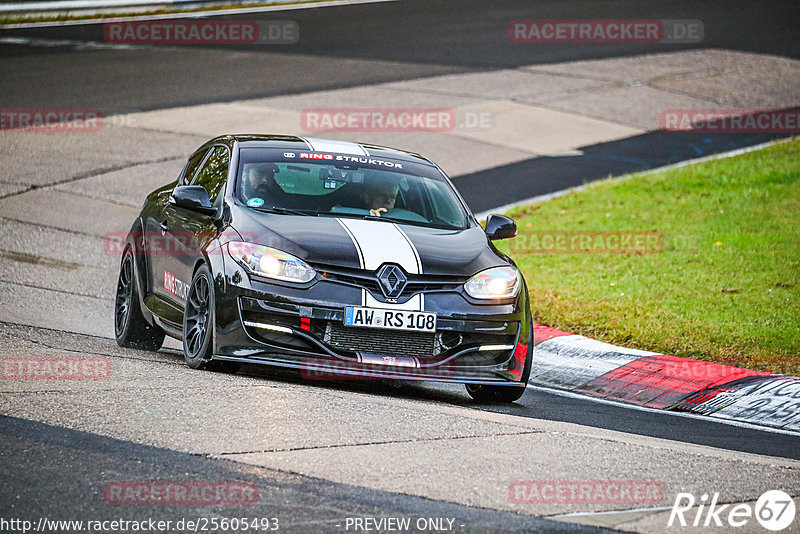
(590,367)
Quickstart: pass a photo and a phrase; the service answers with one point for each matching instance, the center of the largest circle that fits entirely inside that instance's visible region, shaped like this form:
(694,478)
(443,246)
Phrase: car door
(186,232)
(155,239)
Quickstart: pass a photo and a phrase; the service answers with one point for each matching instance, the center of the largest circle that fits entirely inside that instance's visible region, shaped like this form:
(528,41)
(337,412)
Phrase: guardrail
(105,5)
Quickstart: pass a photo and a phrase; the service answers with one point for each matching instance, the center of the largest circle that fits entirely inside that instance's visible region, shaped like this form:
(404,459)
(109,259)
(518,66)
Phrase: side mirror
(193,198)
(500,227)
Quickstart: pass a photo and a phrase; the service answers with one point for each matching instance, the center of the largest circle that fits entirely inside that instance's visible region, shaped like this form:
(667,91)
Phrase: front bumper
(302,328)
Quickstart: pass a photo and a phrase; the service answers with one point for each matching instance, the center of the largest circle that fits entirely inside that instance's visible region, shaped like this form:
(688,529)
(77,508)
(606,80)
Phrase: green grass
(725,286)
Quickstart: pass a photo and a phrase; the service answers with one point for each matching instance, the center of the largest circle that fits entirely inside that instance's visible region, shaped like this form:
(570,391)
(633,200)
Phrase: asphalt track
(372,43)
(346,47)
(551,405)
(406,39)
(302,504)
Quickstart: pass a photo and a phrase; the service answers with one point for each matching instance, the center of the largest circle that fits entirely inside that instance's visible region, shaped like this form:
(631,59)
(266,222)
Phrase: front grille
(367,279)
(379,341)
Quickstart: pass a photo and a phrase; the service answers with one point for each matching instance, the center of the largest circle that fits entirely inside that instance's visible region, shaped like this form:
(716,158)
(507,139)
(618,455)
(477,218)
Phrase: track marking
(555,194)
(706,418)
(77,45)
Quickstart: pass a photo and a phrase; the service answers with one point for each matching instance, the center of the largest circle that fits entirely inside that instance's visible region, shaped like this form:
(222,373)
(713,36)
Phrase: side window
(214,173)
(191,167)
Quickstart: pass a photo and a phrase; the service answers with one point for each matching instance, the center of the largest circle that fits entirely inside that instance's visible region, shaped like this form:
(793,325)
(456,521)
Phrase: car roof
(316,144)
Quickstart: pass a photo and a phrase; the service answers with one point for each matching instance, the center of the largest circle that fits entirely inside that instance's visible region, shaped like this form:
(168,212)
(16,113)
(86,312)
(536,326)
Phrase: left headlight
(494,283)
(270,262)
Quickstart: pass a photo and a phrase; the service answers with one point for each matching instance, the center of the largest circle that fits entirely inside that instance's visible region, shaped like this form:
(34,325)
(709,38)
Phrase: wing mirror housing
(500,227)
(193,198)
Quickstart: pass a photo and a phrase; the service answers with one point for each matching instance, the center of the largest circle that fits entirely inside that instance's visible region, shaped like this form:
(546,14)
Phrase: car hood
(368,244)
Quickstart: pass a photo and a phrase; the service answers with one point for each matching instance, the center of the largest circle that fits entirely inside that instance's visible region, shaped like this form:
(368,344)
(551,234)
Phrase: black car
(339,259)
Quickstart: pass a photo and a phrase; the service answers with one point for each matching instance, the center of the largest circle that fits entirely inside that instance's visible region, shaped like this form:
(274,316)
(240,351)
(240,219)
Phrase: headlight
(271,263)
(494,283)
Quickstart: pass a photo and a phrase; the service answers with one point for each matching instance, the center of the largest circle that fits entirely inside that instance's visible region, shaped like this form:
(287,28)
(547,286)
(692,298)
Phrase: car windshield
(342,185)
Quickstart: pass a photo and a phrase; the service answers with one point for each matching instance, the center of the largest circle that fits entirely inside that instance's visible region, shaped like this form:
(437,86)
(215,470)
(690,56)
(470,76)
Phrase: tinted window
(214,172)
(192,165)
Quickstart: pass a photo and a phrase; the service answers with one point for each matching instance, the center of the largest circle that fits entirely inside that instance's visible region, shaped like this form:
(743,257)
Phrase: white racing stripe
(355,243)
(382,242)
(415,303)
(378,243)
(413,248)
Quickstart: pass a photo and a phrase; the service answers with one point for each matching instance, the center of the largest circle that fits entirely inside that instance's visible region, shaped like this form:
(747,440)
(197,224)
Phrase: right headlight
(494,283)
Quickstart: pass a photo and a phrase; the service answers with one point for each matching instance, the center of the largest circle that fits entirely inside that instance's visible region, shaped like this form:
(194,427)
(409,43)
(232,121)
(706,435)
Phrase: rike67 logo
(774,510)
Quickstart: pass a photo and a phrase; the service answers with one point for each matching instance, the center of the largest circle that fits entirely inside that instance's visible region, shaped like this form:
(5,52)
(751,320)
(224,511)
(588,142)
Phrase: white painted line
(749,426)
(555,194)
(77,45)
(195,14)
(610,512)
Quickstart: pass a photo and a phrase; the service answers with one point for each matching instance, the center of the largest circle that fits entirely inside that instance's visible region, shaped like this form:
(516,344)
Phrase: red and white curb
(582,365)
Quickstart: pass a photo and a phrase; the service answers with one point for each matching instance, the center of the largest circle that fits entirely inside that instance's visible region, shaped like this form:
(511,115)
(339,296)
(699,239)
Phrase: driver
(259,179)
(259,182)
(379,193)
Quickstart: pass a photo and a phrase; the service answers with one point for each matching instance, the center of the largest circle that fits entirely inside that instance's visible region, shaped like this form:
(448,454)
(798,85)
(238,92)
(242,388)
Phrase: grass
(725,286)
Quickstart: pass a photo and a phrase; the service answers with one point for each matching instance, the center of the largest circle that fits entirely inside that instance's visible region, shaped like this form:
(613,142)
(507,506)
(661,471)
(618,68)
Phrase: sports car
(337,259)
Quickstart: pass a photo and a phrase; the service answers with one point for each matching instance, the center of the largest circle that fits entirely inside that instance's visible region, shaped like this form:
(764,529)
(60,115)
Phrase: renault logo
(392,280)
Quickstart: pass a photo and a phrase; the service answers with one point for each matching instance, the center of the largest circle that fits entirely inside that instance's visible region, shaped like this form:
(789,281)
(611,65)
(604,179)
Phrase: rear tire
(131,329)
(505,393)
(198,325)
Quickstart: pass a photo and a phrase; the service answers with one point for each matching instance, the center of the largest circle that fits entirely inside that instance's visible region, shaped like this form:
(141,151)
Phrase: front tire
(198,325)
(495,393)
(131,329)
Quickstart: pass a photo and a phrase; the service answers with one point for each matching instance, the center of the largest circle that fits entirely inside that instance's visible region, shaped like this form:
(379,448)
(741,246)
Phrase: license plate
(416,321)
